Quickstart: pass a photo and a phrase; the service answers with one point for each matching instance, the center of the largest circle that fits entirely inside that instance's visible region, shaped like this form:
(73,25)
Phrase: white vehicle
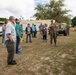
(1,24)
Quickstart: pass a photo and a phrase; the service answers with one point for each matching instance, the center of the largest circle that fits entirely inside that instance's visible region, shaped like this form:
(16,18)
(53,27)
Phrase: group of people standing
(43,29)
(13,33)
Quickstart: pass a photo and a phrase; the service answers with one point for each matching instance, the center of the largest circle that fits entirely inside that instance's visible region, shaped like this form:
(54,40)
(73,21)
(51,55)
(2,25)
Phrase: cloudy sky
(25,8)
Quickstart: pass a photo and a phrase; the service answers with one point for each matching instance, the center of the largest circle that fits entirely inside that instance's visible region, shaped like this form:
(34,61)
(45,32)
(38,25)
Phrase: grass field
(41,58)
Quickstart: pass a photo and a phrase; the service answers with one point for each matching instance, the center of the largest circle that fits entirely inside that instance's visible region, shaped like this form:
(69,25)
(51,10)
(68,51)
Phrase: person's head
(45,24)
(41,24)
(17,21)
(12,19)
(51,21)
(28,25)
(33,24)
(6,22)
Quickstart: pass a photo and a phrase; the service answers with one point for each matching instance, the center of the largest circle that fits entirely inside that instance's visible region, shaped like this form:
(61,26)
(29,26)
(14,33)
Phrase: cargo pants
(53,36)
(10,49)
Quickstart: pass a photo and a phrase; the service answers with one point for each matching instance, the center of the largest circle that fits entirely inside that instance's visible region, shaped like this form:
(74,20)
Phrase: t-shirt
(10,29)
(40,27)
(21,32)
(4,28)
(44,31)
(33,28)
(17,27)
(28,30)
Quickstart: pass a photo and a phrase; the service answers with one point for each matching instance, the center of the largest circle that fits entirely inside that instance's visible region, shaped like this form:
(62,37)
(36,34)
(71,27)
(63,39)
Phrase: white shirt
(10,29)
(29,30)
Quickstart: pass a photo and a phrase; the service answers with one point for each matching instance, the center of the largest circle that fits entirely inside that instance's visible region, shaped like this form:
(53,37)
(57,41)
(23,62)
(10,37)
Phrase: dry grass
(41,58)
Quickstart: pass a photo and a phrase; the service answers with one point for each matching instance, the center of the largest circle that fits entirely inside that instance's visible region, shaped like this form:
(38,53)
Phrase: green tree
(40,12)
(52,10)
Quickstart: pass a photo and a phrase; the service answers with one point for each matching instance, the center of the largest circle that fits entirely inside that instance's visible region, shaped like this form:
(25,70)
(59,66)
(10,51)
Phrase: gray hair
(11,17)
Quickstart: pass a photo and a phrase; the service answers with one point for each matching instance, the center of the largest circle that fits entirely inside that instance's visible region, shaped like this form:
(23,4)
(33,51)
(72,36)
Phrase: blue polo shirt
(33,28)
(17,27)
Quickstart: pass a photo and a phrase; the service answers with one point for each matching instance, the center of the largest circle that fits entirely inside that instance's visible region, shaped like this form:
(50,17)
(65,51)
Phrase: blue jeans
(17,43)
(3,38)
(28,35)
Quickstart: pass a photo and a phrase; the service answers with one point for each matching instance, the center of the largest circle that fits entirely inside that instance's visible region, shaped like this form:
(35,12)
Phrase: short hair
(16,20)
(32,23)
(6,22)
(11,17)
(51,20)
(28,24)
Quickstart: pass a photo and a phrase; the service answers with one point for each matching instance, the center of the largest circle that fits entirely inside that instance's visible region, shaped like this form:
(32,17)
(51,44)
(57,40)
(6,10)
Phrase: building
(36,22)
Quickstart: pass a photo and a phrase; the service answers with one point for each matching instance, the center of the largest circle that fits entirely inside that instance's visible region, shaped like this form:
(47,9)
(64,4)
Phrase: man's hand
(21,39)
(11,40)
(8,35)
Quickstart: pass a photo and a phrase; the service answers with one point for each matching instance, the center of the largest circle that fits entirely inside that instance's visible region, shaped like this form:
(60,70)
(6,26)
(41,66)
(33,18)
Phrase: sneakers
(18,52)
(30,41)
(3,44)
(14,61)
(26,42)
(56,46)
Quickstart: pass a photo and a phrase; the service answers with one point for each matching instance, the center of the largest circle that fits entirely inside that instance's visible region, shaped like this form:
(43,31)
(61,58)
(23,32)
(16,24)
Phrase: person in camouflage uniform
(53,33)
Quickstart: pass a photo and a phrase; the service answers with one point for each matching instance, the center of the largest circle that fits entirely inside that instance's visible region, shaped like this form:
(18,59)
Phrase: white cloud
(17,8)
(71,5)
(25,8)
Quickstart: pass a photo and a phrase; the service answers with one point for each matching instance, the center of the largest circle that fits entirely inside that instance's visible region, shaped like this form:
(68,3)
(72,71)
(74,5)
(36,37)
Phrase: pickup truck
(62,29)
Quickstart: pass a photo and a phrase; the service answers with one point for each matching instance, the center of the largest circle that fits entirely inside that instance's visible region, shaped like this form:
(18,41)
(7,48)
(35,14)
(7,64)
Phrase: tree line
(3,19)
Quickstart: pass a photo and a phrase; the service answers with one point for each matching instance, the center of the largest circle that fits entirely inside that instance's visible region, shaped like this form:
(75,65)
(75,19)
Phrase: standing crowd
(13,34)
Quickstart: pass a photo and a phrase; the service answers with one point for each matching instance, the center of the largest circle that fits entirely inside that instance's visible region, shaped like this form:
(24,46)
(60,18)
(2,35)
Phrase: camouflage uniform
(53,33)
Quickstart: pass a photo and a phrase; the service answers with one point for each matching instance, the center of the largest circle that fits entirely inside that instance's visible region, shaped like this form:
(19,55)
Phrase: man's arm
(10,38)
(31,30)
(26,30)
(18,33)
